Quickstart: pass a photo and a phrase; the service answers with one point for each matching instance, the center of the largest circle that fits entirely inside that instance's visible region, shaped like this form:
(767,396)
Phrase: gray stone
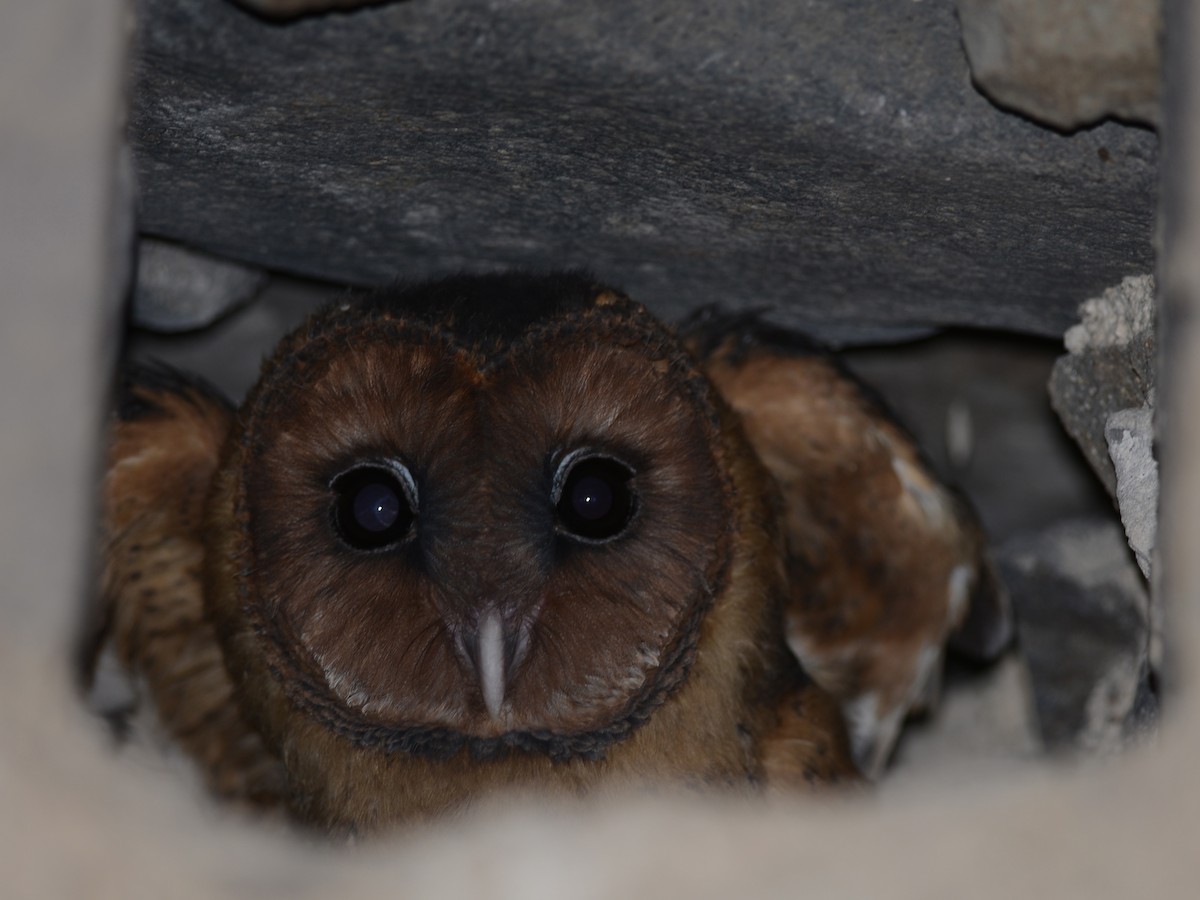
(1115,318)
(1068,63)
(1130,437)
(827,160)
(230,353)
(1083,630)
(65,231)
(1110,366)
(178,289)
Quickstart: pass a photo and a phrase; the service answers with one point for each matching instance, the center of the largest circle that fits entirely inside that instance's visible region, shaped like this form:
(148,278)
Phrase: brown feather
(883,560)
(809,748)
(163,452)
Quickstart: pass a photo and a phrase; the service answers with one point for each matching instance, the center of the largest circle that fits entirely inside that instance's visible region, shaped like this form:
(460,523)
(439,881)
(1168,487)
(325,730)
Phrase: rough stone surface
(1109,367)
(1068,63)
(66,229)
(180,290)
(1114,319)
(1130,437)
(1083,630)
(829,160)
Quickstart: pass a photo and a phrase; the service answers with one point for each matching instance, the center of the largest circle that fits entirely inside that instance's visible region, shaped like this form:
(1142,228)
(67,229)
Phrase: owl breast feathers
(512,532)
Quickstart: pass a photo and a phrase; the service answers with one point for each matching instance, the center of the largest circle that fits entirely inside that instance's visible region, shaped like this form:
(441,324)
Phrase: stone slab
(828,160)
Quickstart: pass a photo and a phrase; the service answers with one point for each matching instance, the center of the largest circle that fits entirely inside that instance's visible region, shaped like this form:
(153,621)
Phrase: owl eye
(375,505)
(593,496)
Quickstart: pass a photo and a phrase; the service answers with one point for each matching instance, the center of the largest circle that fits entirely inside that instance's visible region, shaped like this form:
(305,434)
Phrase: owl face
(452,532)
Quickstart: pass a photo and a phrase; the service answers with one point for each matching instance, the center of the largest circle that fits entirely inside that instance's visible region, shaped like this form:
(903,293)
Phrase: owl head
(491,519)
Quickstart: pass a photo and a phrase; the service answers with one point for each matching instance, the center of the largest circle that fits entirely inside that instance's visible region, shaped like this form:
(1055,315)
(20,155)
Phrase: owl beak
(491,661)
(494,648)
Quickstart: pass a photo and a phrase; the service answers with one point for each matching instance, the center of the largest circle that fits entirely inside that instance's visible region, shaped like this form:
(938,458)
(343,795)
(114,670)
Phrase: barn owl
(512,532)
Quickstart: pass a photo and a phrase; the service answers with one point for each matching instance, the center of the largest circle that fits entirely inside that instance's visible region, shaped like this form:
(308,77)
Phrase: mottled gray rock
(1115,318)
(830,159)
(1068,63)
(1104,393)
(1083,630)
(1130,437)
(1109,367)
(178,289)
(66,203)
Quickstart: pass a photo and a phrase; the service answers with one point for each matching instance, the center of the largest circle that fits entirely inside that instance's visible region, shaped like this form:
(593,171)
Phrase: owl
(511,532)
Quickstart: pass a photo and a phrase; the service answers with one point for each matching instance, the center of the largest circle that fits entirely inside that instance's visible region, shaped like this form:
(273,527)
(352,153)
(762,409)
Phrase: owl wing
(808,748)
(885,563)
(164,447)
